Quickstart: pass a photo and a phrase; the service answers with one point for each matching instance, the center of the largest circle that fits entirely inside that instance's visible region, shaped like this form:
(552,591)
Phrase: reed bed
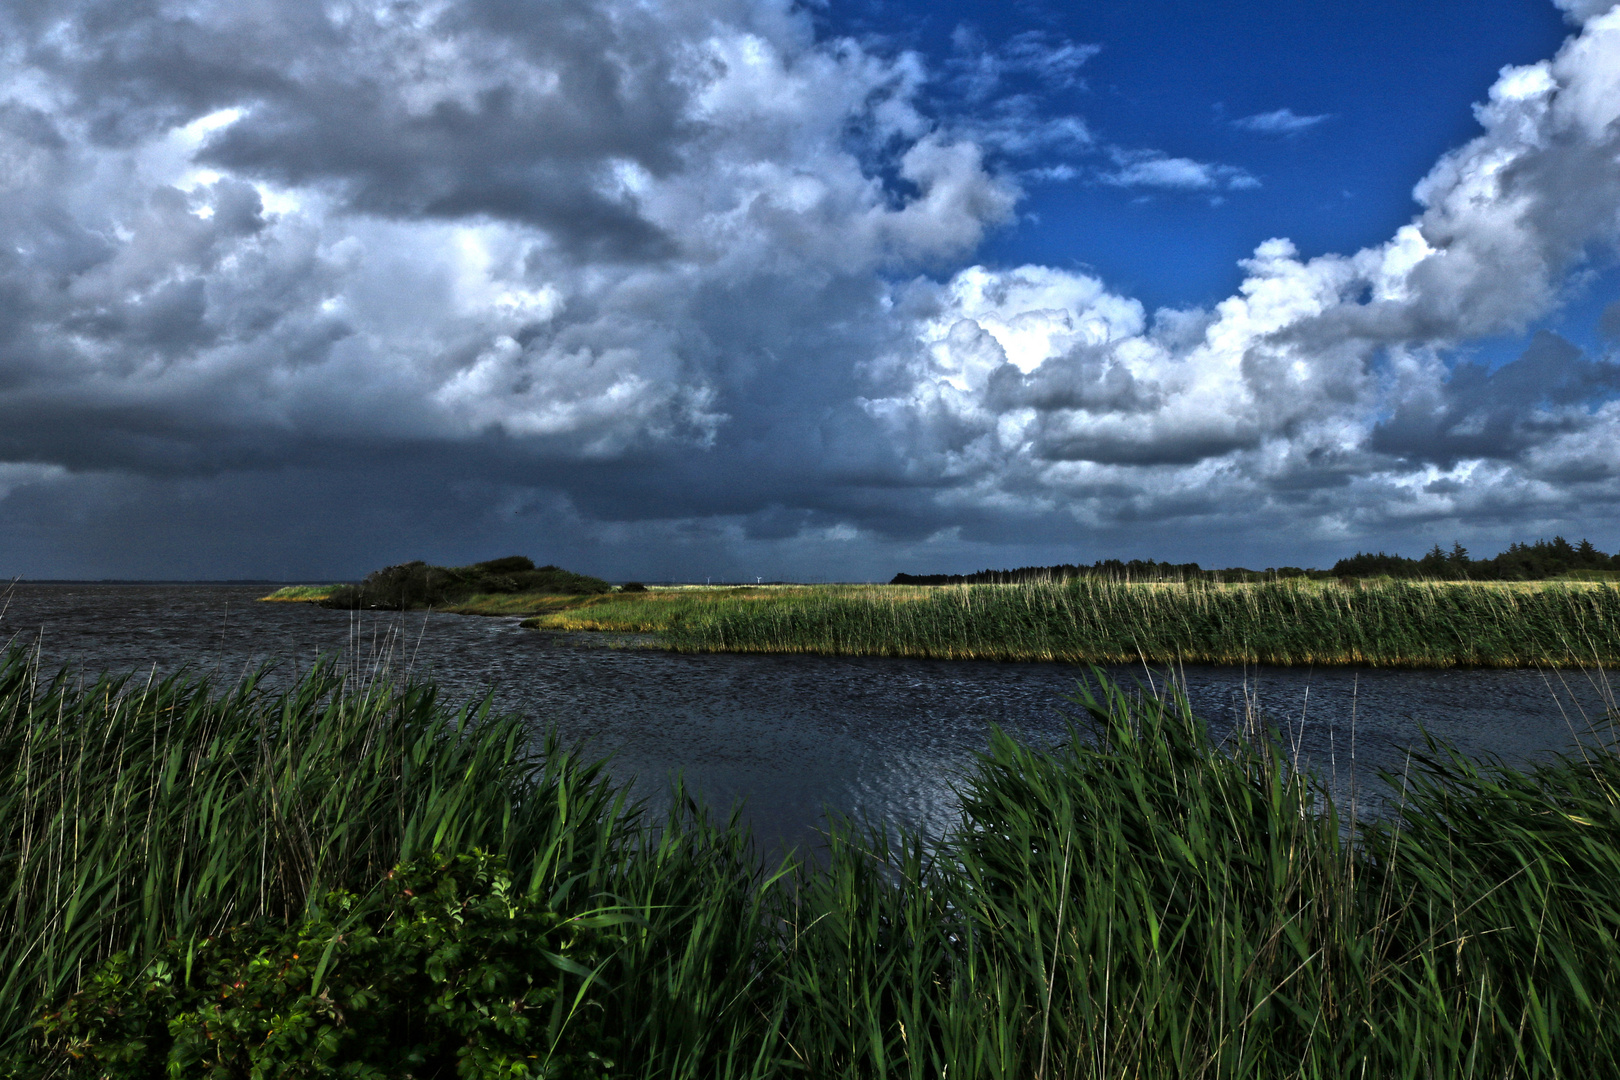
(136,811)
(1136,902)
(1087,620)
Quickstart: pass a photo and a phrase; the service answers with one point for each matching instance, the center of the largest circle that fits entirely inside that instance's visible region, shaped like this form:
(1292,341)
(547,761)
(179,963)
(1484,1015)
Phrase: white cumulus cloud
(1319,388)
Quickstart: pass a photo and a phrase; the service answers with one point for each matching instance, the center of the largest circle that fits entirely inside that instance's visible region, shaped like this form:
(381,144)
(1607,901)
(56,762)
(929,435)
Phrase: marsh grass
(473,604)
(659,609)
(1085,620)
(133,812)
(522,604)
(1137,901)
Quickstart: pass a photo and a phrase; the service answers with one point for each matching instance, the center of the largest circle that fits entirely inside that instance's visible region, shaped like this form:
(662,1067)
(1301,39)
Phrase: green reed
(1143,902)
(1138,901)
(1397,623)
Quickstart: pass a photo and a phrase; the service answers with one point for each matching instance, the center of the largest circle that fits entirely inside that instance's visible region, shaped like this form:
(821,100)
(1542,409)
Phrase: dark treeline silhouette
(1520,562)
(1134,570)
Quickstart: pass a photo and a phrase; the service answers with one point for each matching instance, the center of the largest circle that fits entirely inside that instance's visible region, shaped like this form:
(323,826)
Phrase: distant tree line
(1520,562)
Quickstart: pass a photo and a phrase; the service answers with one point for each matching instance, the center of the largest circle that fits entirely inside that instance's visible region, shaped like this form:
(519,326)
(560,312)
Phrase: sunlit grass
(661,608)
(306,594)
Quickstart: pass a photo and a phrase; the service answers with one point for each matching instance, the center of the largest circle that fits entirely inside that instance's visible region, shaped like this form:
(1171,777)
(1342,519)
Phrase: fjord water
(790,735)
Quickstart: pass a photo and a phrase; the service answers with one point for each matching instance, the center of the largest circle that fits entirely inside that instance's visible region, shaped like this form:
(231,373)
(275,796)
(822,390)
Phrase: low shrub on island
(344,878)
(419,585)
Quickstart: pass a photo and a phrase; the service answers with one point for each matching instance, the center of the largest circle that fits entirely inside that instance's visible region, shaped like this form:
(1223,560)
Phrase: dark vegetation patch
(418,585)
(447,969)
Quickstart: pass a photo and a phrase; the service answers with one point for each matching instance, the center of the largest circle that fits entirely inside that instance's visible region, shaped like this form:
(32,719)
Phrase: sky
(727,289)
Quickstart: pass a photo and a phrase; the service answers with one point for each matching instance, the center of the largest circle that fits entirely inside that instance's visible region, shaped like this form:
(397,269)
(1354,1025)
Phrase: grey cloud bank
(295,289)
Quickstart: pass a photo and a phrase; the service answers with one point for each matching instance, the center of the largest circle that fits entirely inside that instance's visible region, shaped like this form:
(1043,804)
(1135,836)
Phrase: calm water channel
(790,735)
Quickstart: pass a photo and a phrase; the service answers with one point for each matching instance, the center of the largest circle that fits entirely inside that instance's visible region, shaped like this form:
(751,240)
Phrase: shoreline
(1391,624)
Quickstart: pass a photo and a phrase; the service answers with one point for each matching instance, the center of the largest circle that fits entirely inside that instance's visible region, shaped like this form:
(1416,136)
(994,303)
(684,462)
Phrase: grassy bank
(1137,902)
(1380,623)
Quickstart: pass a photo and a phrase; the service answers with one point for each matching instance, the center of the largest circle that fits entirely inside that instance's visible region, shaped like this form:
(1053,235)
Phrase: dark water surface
(793,734)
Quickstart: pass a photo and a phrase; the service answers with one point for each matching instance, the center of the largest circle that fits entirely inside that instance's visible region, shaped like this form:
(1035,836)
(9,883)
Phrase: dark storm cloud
(1480,413)
(1058,442)
(511,110)
(1094,384)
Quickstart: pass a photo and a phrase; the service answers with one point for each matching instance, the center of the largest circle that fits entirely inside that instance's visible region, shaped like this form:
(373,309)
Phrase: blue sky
(735,287)
(1392,82)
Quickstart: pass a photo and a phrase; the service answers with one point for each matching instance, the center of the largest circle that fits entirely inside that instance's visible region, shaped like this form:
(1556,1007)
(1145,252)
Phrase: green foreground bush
(198,883)
(451,971)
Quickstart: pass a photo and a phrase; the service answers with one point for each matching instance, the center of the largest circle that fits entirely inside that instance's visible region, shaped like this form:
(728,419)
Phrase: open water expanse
(790,735)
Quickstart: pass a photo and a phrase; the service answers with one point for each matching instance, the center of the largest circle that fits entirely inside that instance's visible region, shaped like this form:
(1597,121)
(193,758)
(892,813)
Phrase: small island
(506,586)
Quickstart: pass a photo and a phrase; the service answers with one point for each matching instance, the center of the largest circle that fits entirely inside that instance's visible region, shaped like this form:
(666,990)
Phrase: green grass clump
(1087,620)
(656,610)
(345,875)
(1142,902)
